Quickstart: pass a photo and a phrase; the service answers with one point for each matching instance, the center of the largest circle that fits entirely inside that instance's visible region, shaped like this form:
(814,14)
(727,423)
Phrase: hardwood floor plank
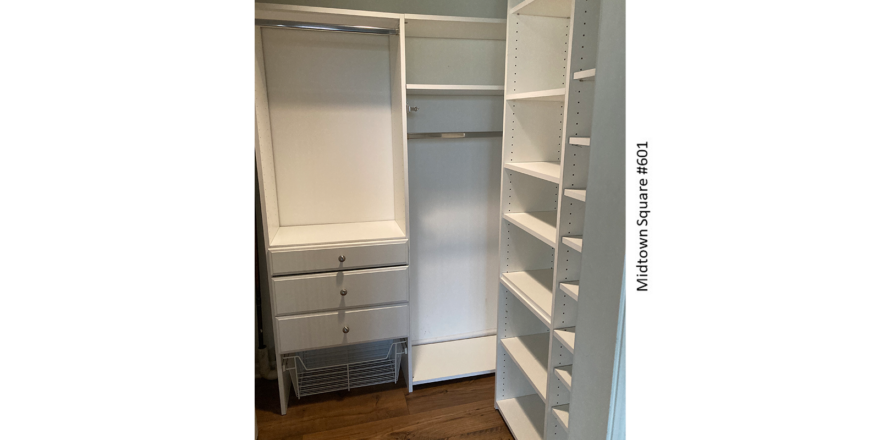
(454,393)
(476,417)
(330,411)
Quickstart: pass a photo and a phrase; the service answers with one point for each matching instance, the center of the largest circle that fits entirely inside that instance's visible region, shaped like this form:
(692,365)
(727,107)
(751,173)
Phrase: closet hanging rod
(325,27)
(458,135)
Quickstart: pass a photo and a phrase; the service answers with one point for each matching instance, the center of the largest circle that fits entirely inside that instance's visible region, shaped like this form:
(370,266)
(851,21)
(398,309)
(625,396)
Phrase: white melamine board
(348,17)
(437,26)
(566,336)
(263,147)
(454,61)
(330,107)
(307,332)
(442,114)
(577,194)
(524,193)
(564,375)
(544,8)
(337,233)
(571,288)
(540,95)
(454,204)
(561,413)
(542,225)
(576,243)
(548,171)
(537,53)
(530,353)
(446,89)
(453,359)
(584,74)
(398,131)
(533,288)
(580,141)
(533,131)
(521,250)
(524,416)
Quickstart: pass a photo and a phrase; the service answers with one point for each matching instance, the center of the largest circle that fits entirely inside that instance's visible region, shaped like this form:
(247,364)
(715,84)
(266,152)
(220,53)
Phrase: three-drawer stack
(342,295)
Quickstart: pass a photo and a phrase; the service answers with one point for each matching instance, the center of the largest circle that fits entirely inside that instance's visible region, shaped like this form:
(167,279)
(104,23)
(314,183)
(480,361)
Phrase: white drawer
(311,293)
(285,262)
(305,332)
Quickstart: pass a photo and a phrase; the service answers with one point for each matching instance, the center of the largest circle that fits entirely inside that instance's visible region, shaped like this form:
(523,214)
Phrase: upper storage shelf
(453,89)
(540,95)
(436,26)
(544,8)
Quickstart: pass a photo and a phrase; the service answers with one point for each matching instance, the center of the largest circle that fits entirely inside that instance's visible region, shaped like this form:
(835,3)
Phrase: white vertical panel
(601,284)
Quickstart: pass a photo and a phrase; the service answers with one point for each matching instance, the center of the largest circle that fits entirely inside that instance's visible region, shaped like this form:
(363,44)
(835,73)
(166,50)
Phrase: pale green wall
(466,8)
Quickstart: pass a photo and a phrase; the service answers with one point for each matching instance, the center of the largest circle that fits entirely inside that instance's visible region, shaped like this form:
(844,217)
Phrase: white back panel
(454,113)
(330,110)
(454,248)
(454,61)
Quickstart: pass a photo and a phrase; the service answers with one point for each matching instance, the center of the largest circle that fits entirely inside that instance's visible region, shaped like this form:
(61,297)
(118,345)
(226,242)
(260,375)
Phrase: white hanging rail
(325,27)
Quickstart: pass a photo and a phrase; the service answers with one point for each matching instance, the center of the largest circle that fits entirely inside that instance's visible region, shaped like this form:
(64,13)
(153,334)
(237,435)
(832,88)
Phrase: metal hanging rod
(325,27)
(459,135)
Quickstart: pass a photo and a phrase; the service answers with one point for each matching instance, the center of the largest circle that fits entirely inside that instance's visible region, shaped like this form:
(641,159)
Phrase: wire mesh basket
(345,367)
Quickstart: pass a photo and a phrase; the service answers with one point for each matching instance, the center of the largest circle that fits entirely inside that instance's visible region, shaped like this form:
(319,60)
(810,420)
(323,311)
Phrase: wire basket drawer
(346,367)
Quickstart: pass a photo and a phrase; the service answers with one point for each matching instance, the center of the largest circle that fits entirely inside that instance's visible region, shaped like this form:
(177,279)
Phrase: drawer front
(305,332)
(311,293)
(286,262)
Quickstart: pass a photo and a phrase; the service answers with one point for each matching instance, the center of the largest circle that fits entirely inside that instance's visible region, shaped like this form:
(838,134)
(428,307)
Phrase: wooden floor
(460,409)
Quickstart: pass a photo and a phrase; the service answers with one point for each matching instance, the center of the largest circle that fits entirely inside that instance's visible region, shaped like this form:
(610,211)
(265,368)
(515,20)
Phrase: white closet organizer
(331,154)
(551,61)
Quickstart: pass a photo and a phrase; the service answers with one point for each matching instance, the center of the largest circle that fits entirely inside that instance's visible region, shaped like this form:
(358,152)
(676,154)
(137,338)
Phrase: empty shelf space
(453,359)
(571,289)
(337,233)
(453,89)
(524,416)
(438,26)
(576,243)
(533,288)
(540,95)
(561,413)
(580,141)
(577,194)
(566,337)
(564,375)
(544,8)
(530,354)
(541,224)
(549,171)
(585,75)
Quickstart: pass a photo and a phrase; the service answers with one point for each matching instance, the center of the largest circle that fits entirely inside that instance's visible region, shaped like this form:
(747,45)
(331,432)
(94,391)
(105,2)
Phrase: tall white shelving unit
(549,87)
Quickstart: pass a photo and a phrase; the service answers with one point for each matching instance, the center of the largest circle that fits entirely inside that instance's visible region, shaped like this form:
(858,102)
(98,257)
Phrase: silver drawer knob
(343,292)
(345,329)
(341,258)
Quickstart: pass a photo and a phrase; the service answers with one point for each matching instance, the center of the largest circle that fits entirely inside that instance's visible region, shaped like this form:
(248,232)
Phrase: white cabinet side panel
(454,204)
(330,107)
